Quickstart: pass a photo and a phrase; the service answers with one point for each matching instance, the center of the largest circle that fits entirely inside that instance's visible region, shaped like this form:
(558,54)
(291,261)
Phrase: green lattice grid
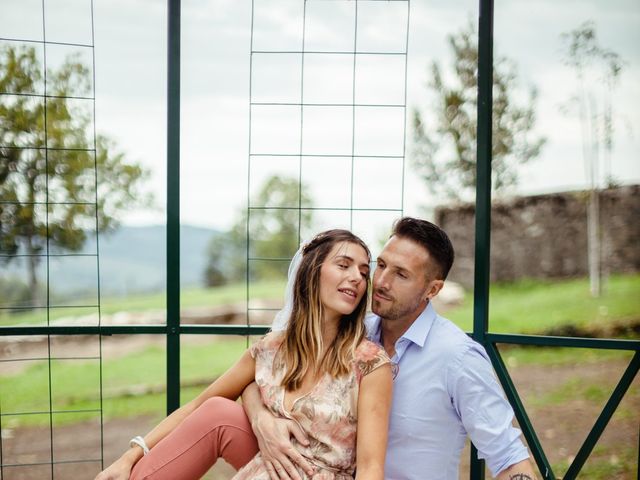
(173,329)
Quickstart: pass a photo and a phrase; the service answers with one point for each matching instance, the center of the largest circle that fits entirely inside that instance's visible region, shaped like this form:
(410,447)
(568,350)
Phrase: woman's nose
(354,275)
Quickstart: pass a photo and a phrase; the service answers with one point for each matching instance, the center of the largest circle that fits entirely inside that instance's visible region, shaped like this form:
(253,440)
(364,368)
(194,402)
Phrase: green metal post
(483,173)
(483,190)
(173,207)
(523,419)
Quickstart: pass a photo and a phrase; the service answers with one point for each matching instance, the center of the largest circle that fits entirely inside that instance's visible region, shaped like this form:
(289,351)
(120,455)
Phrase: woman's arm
(228,385)
(374,403)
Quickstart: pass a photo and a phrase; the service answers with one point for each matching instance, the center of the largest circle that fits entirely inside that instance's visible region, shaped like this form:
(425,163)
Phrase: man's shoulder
(446,333)
(372,327)
(451,341)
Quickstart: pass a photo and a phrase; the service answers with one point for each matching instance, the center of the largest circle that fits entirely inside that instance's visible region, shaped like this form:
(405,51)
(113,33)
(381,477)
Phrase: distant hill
(131,259)
(134,258)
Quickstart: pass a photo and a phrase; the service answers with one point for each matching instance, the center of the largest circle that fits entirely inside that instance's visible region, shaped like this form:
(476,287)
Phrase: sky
(130,90)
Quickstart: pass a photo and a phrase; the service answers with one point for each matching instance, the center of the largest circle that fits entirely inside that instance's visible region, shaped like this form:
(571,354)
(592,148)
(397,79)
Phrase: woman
(320,372)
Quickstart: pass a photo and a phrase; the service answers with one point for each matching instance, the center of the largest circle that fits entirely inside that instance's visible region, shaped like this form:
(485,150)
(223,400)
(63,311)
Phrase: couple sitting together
(330,394)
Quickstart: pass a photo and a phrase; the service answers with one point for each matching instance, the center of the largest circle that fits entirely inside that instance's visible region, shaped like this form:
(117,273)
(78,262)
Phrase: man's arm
(520,471)
(274,438)
(487,416)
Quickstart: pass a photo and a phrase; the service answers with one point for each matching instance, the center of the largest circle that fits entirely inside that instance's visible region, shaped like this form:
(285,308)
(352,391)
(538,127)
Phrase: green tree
(274,233)
(444,146)
(49,172)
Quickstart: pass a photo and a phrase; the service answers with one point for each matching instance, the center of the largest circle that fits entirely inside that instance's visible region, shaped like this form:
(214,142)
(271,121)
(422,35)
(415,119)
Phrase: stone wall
(545,236)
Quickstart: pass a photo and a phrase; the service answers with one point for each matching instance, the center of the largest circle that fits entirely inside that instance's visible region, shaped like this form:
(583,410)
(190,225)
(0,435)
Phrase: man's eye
(402,275)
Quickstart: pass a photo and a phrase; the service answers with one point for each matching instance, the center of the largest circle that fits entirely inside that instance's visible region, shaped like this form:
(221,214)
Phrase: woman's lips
(349,293)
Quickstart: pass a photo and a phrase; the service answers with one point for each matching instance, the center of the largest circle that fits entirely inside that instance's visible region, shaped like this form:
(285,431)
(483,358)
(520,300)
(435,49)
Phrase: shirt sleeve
(267,342)
(485,413)
(256,347)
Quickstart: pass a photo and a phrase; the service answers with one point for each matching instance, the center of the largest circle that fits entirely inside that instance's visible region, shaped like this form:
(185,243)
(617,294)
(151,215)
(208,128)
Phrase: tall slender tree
(597,70)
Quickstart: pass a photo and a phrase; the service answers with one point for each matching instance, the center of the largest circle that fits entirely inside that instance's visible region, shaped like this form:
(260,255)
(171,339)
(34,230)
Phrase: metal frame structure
(481,292)
(174,329)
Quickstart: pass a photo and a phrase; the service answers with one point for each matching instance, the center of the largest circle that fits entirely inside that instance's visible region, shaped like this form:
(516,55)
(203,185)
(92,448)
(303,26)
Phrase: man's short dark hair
(431,237)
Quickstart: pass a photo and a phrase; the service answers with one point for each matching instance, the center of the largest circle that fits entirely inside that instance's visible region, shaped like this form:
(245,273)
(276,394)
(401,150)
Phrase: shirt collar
(417,332)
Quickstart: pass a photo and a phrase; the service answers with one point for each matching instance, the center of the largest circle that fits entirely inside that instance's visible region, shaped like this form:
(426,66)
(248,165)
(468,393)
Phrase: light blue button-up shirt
(444,390)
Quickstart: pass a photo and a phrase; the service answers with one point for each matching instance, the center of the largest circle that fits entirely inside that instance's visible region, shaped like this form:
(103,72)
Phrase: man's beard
(394,311)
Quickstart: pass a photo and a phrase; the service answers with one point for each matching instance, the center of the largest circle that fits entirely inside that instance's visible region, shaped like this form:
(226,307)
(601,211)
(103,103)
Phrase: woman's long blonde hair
(302,348)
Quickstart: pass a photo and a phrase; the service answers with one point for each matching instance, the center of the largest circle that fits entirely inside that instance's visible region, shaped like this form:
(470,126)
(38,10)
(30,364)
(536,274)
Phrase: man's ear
(433,288)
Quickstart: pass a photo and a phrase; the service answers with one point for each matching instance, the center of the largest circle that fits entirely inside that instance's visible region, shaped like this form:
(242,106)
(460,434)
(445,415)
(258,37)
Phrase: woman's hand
(120,469)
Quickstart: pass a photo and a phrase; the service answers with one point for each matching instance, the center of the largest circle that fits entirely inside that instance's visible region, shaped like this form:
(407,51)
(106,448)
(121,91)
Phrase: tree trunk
(593,211)
(33,277)
(593,242)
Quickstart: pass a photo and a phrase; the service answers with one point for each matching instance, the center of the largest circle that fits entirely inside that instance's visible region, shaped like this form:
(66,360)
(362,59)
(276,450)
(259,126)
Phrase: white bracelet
(139,441)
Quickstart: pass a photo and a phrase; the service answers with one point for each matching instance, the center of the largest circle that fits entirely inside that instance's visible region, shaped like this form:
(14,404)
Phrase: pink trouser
(218,428)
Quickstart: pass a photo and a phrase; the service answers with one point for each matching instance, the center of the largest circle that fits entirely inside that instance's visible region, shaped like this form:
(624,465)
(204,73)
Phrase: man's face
(401,285)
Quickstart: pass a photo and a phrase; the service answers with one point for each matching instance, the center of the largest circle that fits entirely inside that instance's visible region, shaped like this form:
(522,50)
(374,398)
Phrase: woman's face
(343,279)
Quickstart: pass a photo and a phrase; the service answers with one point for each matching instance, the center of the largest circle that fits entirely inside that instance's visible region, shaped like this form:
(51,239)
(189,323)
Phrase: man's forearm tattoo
(520,476)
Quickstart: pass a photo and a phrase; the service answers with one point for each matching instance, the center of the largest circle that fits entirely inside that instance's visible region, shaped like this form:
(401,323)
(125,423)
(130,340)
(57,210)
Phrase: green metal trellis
(174,329)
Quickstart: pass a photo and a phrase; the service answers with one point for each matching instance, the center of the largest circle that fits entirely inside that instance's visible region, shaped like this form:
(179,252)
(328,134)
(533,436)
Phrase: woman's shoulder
(369,356)
(369,349)
(269,343)
(274,337)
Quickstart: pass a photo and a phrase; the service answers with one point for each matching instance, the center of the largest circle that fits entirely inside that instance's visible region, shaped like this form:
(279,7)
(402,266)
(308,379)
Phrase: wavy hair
(302,349)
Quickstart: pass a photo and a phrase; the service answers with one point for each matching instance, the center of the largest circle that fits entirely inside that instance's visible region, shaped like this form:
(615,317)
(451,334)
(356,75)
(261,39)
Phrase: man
(444,389)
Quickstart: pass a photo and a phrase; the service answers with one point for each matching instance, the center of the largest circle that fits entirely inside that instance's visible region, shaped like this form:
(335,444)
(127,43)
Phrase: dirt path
(561,428)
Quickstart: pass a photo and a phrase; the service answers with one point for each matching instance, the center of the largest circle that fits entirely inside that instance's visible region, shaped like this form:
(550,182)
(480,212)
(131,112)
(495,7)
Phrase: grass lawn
(537,306)
(524,307)
(126,391)
(190,297)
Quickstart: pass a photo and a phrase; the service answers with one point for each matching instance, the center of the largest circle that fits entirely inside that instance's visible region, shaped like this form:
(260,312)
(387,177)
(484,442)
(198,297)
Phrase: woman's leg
(218,428)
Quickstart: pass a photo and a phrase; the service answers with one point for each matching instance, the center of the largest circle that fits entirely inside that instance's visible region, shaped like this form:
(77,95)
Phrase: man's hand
(274,439)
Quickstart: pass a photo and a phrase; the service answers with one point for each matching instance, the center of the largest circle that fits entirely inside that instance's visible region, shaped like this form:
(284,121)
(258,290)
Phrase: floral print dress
(327,413)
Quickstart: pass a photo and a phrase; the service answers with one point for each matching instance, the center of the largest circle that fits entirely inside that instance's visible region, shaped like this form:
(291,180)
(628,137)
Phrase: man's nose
(380,279)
